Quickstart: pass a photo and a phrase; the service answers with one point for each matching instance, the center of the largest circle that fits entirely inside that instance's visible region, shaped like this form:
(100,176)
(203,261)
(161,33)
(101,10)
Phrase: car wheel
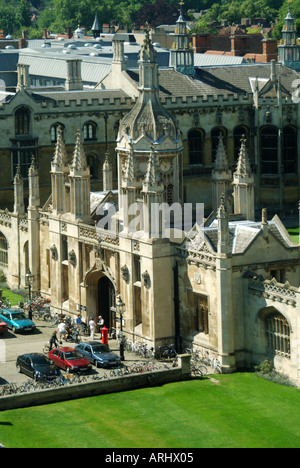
(14,330)
(18,368)
(96,363)
(68,370)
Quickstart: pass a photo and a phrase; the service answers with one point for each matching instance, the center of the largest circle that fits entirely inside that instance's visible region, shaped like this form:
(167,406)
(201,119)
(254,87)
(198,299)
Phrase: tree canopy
(57,15)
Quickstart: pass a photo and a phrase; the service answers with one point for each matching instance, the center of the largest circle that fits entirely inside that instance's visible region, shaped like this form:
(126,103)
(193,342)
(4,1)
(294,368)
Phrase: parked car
(3,328)
(98,354)
(69,359)
(16,320)
(37,366)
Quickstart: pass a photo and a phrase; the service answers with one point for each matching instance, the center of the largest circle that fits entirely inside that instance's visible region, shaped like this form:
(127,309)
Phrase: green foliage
(2,277)
(267,371)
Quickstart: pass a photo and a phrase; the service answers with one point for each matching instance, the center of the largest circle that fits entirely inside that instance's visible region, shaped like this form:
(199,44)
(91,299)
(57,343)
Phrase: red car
(3,328)
(69,359)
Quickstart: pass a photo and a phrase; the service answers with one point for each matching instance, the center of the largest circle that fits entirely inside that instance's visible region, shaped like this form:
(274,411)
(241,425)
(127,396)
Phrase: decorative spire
(152,177)
(60,158)
(79,159)
(243,165)
(222,213)
(18,177)
(130,170)
(33,168)
(221,162)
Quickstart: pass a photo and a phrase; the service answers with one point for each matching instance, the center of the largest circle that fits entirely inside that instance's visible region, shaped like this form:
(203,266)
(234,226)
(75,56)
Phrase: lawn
(294,233)
(13,298)
(240,411)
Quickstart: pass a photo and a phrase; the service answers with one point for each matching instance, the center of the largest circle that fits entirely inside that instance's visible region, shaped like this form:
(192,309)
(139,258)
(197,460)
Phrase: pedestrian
(53,342)
(92,325)
(61,330)
(101,322)
(78,322)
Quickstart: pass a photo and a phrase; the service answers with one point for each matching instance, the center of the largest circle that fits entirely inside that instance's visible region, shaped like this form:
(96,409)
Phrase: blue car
(16,320)
(98,354)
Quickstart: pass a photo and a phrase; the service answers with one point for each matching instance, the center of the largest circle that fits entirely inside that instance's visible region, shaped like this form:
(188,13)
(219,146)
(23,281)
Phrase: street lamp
(120,308)
(29,281)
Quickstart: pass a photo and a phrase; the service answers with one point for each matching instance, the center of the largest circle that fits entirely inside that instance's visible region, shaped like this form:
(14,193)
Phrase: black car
(98,354)
(37,366)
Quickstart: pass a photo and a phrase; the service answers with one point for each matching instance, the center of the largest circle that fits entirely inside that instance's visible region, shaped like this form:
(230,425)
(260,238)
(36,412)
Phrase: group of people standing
(92,325)
(59,334)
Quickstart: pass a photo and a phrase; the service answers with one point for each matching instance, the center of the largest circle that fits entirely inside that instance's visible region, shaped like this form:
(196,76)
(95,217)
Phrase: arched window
(22,121)
(269,150)
(54,131)
(237,136)
(89,131)
(215,133)
(3,250)
(195,142)
(289,150)
(278,334)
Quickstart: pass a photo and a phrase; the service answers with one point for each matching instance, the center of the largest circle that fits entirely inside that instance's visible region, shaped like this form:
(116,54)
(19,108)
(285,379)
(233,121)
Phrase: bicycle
(198,371)
(116,372)
(8,389)
(216,366)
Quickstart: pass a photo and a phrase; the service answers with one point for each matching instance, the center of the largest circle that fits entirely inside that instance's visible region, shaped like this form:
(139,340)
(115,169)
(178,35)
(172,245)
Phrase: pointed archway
(100,297)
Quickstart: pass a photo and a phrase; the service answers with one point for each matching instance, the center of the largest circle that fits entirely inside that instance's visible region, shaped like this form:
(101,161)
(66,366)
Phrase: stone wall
(85,390)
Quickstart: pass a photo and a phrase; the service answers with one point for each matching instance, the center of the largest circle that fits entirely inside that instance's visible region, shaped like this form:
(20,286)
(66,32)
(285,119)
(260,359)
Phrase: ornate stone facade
(229,287)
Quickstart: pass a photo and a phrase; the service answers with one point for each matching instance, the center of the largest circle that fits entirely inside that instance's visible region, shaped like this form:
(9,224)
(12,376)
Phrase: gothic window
(54,131)
(278,335)
(89,131)
(198,305)
(237,136)
(22,121)
(289,150)
(215,133)
(269,150)
(3,250)
(195,142)
(22,152)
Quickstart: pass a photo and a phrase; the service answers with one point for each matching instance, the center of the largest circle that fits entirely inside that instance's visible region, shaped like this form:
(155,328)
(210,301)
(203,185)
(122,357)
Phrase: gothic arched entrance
(100,298)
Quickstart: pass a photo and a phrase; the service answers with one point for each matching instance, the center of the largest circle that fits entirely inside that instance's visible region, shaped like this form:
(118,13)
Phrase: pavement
(12,345)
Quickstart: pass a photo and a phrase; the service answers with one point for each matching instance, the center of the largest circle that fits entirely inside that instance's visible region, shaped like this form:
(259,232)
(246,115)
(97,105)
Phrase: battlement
(208,100)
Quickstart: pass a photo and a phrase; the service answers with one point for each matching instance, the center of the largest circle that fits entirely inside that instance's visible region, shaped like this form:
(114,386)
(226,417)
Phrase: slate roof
(241,235)
(215,81)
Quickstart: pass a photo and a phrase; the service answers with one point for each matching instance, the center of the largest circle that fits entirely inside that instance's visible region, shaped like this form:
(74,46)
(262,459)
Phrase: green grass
(294,233)
(13,298)
(242,411)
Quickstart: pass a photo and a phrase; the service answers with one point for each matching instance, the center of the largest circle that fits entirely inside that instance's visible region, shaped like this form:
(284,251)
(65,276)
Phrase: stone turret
(243,185)
(107,173)
(221,176)
(59,174)
(148,128)
(79,183)
(19,193)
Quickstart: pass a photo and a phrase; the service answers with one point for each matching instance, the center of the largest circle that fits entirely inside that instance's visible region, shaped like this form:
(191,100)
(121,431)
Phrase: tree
(7,19)
(23,15)
(155,14)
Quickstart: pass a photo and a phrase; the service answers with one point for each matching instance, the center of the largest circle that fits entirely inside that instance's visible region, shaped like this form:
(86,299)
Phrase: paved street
(12,345)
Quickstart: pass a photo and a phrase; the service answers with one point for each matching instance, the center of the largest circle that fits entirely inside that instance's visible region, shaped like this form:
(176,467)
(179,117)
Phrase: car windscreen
(101,349)
(41,361)
(18,316)
(70,355)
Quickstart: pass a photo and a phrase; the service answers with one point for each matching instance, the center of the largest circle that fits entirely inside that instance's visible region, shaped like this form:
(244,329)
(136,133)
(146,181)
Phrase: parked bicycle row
(163,352)
(74,379)
(201,362)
